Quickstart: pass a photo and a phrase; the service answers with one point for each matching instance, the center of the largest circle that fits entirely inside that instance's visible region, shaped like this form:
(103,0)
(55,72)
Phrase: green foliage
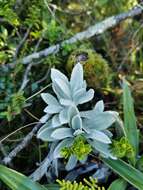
(7,12)
(122,148)
(15,106)
(126,171)
(118,184)
(17,181)
(131,130)
(90,184)
(80,148)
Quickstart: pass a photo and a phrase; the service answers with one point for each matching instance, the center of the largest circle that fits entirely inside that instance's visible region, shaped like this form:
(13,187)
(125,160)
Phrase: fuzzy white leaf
(99,136)
(64,88)
(45,134)
(87,96)
(60,94)
(63,116)
(62,133)
(51,109)
(103,148)
(76,80)
(72,111)
(64,143)
(56,121)
(45,118)
(57,74)
(99,121)
(66,102)
(71,163)
(99,107)
(49,99)
(76,122)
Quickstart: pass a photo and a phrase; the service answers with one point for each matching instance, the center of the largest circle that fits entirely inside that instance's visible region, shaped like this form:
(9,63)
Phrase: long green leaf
(129,118)
(17,181)
(126,171)
(118,184)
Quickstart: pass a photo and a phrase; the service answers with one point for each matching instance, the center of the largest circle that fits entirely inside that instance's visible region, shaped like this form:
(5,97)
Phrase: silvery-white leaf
(65,88)
(76,80)
(108,133)
(103,148)
(71,163)
(99,136)
(77,94)
(45,134)
(66,102)
(78,132)
(49,99)
(76,122)
(51,109)
(45,118)
(57,74)
(99,107)
(46,125)
(86,114)
(59,92)
(84,85)
(85,97)
(62,133)
(99,121)
(56,121)
(64,143)
(63,116)
(72,111)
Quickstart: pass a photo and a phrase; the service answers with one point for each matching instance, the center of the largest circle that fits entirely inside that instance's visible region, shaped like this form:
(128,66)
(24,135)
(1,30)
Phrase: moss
(96,69)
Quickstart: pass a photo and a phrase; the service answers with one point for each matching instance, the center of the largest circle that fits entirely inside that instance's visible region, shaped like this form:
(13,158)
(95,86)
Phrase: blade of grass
(130,124)
(126,171)
(17,181)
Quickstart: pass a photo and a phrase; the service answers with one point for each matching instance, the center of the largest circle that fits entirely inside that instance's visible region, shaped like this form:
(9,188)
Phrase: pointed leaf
(64,88)
(99,136)
(62,133)
(49,99)
(51,109)
(129,118)
(17,181)
(76,122)
(86,97)
(71,163)
(76,80)
(99,107)
(63,116)
(126,171)
(65,143)
(57,74)
(45,134)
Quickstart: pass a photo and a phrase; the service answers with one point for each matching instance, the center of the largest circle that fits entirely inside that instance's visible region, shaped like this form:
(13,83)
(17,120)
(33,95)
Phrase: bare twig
(25,77)
(96,29)
(21,145)
(42,169)
(19,47)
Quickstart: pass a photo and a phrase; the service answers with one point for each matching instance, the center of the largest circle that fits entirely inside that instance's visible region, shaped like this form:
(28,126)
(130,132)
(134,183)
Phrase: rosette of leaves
(69,93)
(66,122)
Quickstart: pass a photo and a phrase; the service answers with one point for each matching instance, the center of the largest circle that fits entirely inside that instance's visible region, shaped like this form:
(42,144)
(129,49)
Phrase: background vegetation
(28,26)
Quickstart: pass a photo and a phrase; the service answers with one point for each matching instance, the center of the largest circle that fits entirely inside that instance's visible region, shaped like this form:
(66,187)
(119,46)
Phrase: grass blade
(129,118)
(126,171)
(17,181)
